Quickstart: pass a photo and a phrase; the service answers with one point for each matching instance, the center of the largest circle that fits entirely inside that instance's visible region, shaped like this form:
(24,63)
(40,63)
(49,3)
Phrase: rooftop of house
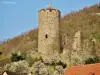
(90,69)
(11,73)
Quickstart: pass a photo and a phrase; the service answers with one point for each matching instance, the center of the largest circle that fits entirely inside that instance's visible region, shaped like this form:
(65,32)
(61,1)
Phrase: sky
(20,16)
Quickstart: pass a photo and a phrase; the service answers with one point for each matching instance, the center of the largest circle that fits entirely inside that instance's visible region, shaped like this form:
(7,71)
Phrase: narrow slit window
(0,53)
(46,36)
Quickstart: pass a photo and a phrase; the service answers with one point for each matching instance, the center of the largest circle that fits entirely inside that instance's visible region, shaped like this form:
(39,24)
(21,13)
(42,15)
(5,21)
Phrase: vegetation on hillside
(24,42)
(87,21)
(15,57)
(92,60)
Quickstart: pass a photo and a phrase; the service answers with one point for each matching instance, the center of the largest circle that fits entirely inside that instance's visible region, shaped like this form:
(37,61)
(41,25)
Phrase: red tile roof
(91,69)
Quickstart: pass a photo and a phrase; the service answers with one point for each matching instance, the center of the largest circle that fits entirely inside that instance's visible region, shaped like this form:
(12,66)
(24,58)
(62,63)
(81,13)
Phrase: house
(12,73)
(9,73)
(90,69)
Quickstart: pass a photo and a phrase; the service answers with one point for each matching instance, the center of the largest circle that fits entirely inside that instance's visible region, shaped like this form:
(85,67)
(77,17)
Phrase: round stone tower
(48,33)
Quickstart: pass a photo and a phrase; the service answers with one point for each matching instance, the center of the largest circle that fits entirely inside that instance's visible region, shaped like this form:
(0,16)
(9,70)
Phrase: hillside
(22,42)
(86,20)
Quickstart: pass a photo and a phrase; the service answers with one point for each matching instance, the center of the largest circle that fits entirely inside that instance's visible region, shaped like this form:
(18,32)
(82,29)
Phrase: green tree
(15,57)
(92,60)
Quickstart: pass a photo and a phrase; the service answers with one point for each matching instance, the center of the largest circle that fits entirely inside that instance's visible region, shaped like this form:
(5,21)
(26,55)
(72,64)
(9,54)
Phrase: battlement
(51,10)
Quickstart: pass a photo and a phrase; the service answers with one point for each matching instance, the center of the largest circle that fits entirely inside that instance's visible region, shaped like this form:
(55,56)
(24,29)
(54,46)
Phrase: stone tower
(48,33)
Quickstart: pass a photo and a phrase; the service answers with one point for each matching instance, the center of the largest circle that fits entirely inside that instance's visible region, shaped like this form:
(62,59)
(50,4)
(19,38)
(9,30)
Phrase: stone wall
(78,49)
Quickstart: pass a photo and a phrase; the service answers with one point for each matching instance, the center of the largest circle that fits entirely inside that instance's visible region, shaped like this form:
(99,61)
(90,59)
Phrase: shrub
(15,57)
(39,68)
(52,68)
(62,64)
(19,67)
(92,60)
(59,70)
(32,60)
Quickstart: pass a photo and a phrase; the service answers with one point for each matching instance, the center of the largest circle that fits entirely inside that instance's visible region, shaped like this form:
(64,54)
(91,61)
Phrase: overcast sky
(19,16)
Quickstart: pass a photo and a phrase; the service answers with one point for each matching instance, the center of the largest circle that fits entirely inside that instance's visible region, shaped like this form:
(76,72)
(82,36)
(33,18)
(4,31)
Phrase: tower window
(46,36)
(0,53)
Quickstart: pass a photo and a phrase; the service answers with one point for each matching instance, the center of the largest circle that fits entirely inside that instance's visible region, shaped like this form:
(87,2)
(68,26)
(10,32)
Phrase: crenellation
(53,11)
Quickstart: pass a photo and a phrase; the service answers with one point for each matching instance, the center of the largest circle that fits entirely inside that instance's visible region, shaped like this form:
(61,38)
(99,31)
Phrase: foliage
(20,67)
(4,61)
(32,60)
(62,64)
(92,60)
(52,68)
(76,60)
(38,68)
(68,65)
(15,57)
(59,70)
(96,36)
(83,20)
(38,59)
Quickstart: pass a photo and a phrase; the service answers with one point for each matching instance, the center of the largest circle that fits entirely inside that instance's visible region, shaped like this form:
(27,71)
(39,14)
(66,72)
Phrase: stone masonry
(48,34)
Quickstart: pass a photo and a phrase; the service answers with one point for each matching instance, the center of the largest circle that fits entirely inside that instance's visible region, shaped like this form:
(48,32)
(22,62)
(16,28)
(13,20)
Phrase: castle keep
(48,34)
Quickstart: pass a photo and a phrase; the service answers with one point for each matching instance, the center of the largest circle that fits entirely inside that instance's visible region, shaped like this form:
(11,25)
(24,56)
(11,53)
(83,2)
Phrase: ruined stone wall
(48,35)
(78,49)
(77,41)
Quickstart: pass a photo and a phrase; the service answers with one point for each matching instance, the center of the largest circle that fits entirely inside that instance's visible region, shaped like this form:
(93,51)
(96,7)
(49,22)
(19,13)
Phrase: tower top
(49,8)
(49,5)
